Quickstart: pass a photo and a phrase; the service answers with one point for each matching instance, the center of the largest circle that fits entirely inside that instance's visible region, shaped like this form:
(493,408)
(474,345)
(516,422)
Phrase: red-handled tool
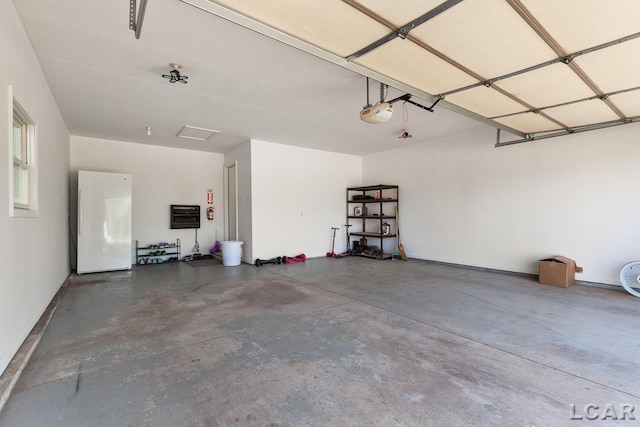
(333,243)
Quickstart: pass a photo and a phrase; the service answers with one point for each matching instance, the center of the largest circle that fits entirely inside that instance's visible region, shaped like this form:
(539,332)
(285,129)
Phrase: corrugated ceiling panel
(329,24)
(628,102)
(547,86)
(580,24)
(415,66)
(485,101)
(529,123)
(400,12)
(583,113)
(488,37)
(614,68)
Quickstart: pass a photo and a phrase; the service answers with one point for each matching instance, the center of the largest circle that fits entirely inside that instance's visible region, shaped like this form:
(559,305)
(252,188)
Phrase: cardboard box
(558,271)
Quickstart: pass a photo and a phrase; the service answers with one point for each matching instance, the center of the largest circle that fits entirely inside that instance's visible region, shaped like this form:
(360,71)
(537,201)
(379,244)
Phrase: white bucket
(231,253)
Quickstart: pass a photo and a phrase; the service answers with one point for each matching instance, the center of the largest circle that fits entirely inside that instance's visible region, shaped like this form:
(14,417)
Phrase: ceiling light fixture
(174,75)
(148,130)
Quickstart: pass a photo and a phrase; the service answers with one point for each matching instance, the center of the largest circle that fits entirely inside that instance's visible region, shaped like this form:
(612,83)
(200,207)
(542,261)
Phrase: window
(23,174)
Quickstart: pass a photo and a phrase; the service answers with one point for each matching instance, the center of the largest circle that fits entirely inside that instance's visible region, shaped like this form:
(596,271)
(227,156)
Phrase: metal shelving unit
(157,253)
(369,210)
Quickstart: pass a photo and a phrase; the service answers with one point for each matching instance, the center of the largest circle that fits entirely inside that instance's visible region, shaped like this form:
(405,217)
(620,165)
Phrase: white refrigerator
(104,222)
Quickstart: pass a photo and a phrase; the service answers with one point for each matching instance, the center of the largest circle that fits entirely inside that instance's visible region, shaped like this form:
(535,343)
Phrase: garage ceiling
(303,85)
(537,68)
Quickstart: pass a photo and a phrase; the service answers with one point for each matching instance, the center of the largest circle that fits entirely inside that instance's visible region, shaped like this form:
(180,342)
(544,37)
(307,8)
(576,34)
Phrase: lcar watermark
(592,412)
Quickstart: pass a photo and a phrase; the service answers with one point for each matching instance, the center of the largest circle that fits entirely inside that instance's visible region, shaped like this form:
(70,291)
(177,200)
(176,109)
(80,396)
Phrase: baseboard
(10,376)
(517,273)
(600,285)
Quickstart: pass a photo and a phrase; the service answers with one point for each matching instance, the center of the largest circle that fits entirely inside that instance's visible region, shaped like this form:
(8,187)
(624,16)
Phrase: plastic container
(231,253)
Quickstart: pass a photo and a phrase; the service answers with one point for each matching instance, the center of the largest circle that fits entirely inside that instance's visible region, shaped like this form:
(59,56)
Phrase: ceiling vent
(192,132)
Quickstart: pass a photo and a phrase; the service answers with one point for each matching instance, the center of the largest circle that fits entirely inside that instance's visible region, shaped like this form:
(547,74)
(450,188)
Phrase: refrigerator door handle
(81,214)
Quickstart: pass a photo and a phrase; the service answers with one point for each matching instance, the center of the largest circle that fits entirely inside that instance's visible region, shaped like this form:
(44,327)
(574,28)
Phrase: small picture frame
(357,211)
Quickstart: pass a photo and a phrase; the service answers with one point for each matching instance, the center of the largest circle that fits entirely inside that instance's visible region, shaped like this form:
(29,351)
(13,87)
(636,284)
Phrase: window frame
(26,159)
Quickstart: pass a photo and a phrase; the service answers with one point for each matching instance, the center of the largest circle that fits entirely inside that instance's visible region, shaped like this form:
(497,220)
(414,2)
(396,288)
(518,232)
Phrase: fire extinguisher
(210,213)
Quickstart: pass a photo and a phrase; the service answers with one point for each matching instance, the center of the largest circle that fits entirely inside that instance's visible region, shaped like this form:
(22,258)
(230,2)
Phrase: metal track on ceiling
(136,20)
(244,21)
(563,57)
(553,44)
(404,32)
(401,32)
(565,132)
(557,60)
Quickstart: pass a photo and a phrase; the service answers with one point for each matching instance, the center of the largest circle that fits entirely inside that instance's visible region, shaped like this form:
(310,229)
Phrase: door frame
(225,180)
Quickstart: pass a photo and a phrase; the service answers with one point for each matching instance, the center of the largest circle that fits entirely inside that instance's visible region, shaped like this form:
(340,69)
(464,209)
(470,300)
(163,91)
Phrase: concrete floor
(350,342)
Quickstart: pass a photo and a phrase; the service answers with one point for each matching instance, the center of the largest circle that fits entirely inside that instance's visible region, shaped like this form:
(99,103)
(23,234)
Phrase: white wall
(298,194)
(162,176)
(241,156)
(465,202)
(34,251)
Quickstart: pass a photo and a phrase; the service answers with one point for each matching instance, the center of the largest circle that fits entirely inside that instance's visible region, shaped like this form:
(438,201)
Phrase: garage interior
(512,140)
